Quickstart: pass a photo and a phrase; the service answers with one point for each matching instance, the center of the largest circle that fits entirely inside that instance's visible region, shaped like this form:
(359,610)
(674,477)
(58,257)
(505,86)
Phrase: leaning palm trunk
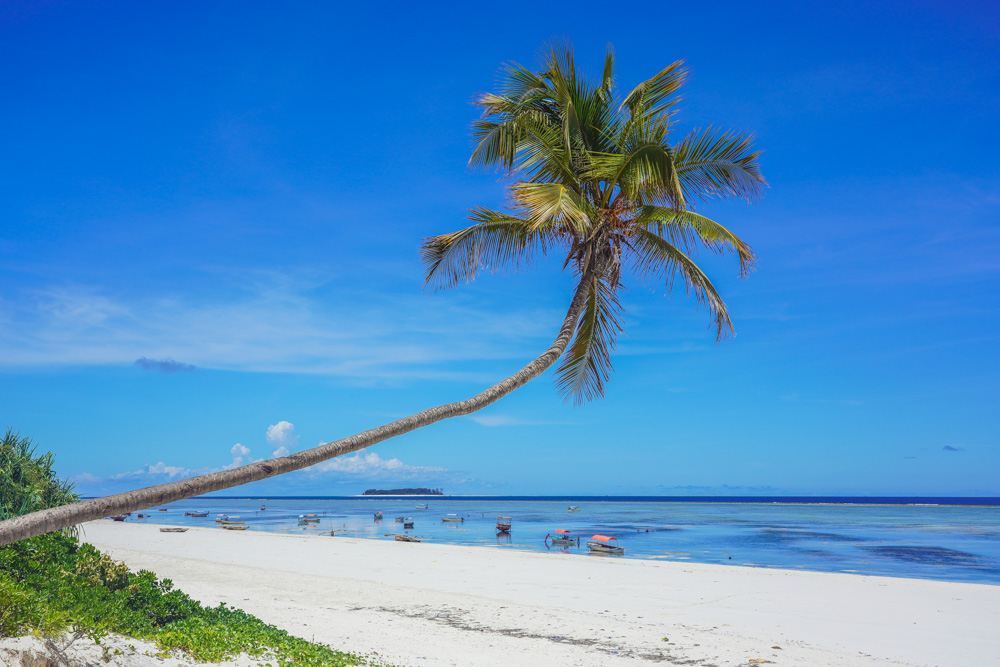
(65,516)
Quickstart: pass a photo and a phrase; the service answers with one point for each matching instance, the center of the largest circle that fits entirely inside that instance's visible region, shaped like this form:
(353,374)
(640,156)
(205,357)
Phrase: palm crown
(597,179)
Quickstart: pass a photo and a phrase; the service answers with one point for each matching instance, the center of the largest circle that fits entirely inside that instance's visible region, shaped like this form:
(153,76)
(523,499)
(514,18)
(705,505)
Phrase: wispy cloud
(369,465)
(161,469)
(505,420)
(796,398)
(163,365)
(269,323)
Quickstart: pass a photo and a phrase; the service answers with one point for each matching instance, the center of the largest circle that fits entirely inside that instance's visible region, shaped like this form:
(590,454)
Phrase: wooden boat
(603,544)
(452,518)
(162,509)
(222,518)
(399,519)
(573,508)
(378,516)
(408,524)
(422,507)
(119,517)
(197,513)
(234,526)
(309,518)
(406,538)
(562,538)
(262,508)
(503,524)
(173,530)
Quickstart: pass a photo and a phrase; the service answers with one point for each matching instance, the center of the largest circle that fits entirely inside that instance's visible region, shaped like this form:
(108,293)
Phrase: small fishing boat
(573,508)
(262,508)
(603,544)
(162,509)
(562,538)
(197,513)
(399,519)
(406,538)
(224,518)
(306,519)
(503,524)
(173,530)
(452,518)
(378,516)
(234,526)
(407,523)
(422,507)
(119,517)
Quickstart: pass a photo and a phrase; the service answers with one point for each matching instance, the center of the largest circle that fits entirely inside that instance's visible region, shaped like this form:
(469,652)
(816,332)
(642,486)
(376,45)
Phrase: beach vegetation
(598,178)
(28,481)
(52,584)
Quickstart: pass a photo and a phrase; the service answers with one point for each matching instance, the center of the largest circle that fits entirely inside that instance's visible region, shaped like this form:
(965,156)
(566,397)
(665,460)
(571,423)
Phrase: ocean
(949,539)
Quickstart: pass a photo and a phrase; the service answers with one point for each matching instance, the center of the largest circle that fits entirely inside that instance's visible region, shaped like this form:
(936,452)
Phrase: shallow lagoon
(951,543)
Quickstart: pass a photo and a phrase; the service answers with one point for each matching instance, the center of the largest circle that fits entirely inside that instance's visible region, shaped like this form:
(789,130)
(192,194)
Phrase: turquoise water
(931,542)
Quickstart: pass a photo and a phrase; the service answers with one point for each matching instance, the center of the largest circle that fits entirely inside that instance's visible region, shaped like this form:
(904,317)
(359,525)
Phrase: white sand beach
(433,604)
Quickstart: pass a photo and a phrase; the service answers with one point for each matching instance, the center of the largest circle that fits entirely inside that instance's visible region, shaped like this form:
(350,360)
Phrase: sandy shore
(432,604)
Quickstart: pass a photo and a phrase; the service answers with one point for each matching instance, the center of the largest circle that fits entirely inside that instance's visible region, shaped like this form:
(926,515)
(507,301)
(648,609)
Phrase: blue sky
(241,188)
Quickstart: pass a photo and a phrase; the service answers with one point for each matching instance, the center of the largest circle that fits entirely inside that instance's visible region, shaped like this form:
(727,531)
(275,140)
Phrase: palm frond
(496,241)
(712,163)
(548,203)
(608,77)
(655,257)
(684,228)
(656,95)
(496,143)
(587,364)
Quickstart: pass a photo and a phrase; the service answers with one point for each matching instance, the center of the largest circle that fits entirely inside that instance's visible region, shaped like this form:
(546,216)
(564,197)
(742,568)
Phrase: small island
(403,492)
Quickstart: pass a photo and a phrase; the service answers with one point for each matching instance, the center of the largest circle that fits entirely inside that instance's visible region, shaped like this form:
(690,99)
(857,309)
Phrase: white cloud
(160,469)
(283,435)
(371,465)
(238,451)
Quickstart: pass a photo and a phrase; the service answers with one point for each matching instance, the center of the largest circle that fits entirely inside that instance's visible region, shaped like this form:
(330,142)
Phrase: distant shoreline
(920,501)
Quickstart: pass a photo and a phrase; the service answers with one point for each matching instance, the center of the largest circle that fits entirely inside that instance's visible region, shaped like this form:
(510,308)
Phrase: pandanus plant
(597,180)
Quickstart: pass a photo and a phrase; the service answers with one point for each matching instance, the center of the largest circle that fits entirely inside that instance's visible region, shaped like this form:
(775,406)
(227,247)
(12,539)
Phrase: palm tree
(596,179)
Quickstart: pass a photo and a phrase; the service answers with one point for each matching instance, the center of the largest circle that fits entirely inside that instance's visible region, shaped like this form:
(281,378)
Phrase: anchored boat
(562,538)
(452,518)
(503,524)
(605,545)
